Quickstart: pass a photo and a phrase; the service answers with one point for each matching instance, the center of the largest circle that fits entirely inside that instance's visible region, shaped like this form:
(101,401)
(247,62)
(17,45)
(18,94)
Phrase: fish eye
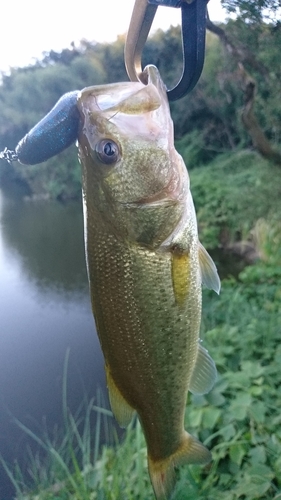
(107,151)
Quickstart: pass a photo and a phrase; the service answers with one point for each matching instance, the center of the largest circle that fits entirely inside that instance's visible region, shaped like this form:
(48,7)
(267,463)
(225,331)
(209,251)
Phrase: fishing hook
(193,13)
(8,155)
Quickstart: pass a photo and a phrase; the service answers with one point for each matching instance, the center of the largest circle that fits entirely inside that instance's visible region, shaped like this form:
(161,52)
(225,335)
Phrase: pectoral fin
(209,273)
(122,411)
(204,374)
(181,276)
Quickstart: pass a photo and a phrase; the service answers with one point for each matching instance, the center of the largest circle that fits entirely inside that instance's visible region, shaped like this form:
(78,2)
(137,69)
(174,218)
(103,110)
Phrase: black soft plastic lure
(54,133)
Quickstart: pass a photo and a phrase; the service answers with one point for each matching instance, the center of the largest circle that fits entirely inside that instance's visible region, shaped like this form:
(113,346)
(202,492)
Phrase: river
(44,311)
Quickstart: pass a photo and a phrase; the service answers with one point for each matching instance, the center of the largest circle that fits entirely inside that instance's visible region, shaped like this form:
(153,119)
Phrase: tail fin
(162,472)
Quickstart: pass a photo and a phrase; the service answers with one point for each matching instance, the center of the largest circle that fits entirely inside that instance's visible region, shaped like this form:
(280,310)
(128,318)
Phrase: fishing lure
(51,135)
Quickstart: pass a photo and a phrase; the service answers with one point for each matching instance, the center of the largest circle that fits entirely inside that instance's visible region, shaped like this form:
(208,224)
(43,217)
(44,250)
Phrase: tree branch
(249,119)
(241,53)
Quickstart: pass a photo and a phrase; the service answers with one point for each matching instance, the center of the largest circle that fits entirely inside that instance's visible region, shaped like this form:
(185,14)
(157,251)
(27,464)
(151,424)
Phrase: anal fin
(204,373)
(122,411)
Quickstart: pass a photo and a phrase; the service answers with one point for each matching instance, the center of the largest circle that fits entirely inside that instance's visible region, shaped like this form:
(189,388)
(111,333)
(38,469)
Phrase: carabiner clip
(193,40)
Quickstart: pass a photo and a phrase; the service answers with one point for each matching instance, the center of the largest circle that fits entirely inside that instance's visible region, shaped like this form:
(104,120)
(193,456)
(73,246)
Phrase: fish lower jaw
(150,204)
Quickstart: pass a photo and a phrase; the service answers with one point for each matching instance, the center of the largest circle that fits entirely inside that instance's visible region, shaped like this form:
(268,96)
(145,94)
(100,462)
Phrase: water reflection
(44,310)
(48,237)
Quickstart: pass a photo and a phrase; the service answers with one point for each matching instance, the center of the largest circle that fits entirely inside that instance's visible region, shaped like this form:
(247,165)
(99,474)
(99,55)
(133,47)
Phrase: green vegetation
(232,193)
(239,420)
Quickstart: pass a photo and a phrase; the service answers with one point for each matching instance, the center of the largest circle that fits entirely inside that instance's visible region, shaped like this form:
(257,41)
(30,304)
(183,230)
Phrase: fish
(146,267)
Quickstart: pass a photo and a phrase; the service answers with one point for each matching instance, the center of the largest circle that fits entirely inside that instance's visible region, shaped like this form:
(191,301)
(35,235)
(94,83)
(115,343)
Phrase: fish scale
(145,328)
(145,267)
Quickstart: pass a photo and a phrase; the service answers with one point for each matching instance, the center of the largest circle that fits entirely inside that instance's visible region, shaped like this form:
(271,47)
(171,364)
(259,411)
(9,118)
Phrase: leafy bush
(58,178)
(231,193)
(240,418)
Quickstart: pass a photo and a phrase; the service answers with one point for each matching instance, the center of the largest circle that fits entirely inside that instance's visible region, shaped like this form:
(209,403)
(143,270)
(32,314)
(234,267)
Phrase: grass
(239,419)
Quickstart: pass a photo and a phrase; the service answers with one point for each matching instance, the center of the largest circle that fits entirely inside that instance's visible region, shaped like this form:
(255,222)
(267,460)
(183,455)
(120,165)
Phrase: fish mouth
(169,196)
(167,202)
(156,200)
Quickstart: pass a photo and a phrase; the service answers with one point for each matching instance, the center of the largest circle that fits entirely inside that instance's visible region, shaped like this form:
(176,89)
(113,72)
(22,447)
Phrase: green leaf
(228,432)
(252,490)
(237,453)
(210,417)
(258,411)
(256,390)
(252,368)
(258,455)
(240,406)
(260,472)
(215,398)
(225,479)
(194,416)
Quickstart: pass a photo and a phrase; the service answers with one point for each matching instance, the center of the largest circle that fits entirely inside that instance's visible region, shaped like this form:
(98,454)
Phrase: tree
(253,10)
(245,41)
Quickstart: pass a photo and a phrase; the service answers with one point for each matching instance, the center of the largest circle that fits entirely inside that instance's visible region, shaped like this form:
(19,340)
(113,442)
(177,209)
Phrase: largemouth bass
(145,266)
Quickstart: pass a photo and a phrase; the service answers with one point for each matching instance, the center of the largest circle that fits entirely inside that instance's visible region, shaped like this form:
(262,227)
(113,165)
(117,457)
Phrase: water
(44,310)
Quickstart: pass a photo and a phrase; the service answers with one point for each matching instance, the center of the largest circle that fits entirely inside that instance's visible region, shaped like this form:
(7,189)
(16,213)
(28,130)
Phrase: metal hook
(8,155)
(193,40)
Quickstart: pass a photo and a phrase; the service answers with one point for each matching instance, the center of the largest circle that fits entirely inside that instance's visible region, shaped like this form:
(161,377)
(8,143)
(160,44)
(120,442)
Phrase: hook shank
(193,40)
(141,21)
